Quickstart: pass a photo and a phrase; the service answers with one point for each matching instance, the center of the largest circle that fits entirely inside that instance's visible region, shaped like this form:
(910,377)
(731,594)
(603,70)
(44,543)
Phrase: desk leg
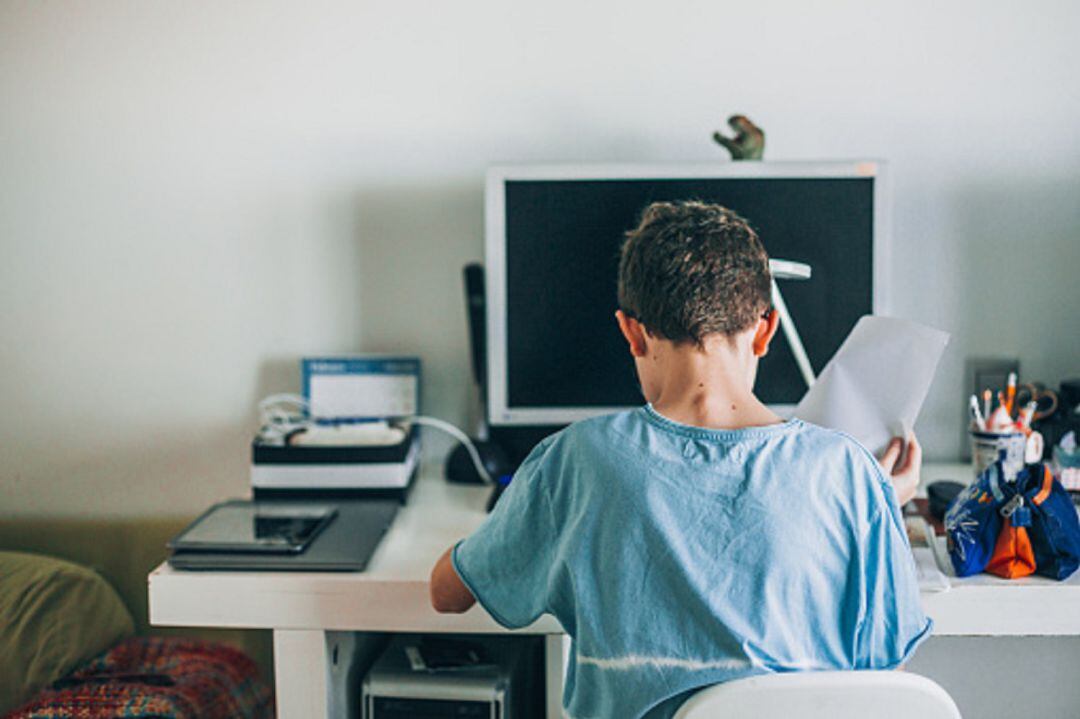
(556,657)
(300,674)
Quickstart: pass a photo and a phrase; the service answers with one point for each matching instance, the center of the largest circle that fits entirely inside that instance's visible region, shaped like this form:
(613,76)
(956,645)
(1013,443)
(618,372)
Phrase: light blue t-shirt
(678,557)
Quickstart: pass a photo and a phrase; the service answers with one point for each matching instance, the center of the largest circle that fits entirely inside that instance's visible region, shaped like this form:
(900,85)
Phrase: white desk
(315,616)
(314,613)
(989,606)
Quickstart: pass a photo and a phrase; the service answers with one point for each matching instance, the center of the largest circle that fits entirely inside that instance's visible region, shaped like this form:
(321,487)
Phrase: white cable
(270,406)
(282,414)
(459,436)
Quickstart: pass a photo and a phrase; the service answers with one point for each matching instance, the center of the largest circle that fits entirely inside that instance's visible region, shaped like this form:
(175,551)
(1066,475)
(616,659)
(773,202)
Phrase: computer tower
(503,687)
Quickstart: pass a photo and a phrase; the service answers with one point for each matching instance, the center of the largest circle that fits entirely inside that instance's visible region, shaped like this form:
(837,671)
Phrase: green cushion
(54,615)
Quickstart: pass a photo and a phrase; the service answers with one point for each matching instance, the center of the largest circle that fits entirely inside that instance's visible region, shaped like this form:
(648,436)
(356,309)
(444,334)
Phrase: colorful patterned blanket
(158,678)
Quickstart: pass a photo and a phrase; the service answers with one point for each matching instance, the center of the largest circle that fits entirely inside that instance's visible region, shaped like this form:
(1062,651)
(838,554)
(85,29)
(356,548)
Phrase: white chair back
(823,695)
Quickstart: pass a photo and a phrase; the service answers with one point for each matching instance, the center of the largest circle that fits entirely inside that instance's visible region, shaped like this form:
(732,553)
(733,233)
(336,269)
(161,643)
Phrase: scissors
(1046,400)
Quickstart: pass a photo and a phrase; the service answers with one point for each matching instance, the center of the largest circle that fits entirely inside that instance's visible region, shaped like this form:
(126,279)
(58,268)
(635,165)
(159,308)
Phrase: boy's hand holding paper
(904,472)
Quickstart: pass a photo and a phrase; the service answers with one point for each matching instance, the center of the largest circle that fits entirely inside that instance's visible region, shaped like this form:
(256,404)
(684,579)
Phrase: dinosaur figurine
(749,140)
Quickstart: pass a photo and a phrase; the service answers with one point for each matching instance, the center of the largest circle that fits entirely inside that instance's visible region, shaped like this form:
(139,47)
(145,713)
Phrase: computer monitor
(553,234)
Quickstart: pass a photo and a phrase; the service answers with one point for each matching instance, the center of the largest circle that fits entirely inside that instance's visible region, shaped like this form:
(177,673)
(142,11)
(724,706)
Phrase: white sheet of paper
(875,384)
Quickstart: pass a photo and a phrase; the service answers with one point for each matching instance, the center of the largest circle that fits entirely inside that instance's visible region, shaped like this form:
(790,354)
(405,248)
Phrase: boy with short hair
(700,538)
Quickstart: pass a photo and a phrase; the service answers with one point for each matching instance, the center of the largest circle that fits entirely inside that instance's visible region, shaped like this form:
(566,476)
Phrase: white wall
(192,195)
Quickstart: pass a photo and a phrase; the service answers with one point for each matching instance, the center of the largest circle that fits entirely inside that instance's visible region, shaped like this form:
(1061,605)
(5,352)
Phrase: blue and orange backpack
(1014,527)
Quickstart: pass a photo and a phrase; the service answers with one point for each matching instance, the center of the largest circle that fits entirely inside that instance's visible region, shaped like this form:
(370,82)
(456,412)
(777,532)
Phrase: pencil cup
(986,447)
(1067,464)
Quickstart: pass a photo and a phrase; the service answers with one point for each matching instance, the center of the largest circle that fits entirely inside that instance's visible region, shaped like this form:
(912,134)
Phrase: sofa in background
(122,552)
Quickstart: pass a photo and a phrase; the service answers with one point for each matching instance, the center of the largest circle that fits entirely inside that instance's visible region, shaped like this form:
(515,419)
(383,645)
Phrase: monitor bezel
(498,412)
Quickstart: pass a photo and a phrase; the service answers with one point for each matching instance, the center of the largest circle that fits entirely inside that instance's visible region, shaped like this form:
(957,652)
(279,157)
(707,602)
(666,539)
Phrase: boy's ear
(633,331)
(766,330)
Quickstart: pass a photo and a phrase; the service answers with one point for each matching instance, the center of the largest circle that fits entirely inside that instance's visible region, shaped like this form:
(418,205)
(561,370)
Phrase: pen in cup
(976,414)
(1023,421)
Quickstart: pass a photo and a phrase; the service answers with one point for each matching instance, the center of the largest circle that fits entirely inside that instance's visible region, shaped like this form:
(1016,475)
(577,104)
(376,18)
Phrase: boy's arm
(449,595)
(893,624)
(505,565)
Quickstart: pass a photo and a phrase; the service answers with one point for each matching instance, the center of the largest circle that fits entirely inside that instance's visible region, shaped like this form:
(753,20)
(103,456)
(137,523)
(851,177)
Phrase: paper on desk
(875,384)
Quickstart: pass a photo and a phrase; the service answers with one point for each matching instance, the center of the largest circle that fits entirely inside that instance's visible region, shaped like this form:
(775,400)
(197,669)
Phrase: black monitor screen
(563,237)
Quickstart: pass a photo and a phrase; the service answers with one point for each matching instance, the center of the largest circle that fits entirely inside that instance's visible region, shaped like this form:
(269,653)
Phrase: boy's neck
(709,387)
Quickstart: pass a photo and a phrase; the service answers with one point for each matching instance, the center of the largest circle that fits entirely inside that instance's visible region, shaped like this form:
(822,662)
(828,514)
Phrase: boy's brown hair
(691,269)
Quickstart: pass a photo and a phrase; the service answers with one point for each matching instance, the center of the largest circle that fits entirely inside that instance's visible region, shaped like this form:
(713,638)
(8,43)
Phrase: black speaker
(475,308)
(507,446)
(459,465)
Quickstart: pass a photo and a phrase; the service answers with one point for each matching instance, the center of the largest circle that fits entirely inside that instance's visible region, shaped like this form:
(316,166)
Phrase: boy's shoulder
(838,446)
(620,438)
(586,441)
(847,466)
(603,431)
(832,439)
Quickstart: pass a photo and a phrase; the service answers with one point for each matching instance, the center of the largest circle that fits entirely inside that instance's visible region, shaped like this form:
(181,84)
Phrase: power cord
(459,436)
